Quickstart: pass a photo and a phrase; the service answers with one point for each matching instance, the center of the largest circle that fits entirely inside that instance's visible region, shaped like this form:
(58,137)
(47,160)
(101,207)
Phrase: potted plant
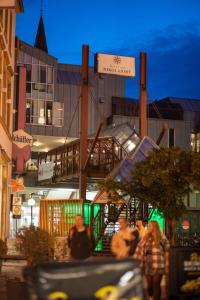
(3,251)
(34,243)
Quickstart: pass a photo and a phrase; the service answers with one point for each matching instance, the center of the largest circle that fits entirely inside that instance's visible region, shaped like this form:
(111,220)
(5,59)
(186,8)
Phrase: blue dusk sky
(168,31)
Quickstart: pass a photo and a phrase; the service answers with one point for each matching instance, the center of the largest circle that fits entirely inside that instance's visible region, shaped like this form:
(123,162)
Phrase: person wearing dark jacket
(81,240)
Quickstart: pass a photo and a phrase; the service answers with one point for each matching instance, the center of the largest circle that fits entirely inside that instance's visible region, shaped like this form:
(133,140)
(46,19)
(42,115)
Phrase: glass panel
(49,75)
(27,58)
(35,61)
(28,72)
(58,108)
(28,87)
(49,113)
(41,118)
(28,110)
(131,143)
(49,88)
(39,87)
(43,74)
(34,107)
(35,73)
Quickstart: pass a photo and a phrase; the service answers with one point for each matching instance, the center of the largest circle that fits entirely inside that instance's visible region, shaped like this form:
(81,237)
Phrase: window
(35,73)
(58,112)
(28,87)
(41,115)
(40,93)
(28,72)
(195,141)
(43,74)
(28,111)
(39,87)
(171,137)
(49,75)
(49,113)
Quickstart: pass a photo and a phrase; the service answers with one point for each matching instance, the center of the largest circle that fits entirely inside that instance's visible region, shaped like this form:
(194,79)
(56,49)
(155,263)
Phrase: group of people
(149,246)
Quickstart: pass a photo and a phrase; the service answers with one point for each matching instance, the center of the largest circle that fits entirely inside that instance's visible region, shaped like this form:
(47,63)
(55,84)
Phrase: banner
(184,277)
(107,279)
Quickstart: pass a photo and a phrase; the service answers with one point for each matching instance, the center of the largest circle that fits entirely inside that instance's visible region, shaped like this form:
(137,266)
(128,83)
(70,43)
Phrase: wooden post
(84,123)
(143,96)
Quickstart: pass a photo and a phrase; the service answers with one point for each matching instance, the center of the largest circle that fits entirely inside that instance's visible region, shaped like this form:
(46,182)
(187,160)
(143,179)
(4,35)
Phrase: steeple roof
(40,40)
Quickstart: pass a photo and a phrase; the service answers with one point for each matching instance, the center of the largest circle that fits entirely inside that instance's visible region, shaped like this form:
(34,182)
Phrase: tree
(163,180)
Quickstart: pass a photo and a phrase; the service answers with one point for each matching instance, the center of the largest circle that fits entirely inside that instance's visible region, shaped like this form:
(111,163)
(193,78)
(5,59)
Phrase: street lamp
(31,203)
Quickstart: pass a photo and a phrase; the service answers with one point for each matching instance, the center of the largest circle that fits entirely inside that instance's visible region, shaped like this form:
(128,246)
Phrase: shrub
(3,247)
(34,243)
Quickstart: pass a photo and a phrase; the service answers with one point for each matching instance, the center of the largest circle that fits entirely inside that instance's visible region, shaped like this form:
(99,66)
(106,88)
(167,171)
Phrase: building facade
(180,117)
(53,91)
(8,10)
(47,105)
(50,113)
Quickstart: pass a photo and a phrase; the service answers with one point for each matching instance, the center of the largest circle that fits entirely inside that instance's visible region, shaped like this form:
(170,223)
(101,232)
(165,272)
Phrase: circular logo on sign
(185,224)
(117,60)
(17,210)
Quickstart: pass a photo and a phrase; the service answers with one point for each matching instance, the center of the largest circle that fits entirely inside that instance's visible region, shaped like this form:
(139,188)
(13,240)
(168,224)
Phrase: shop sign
(21,150)
(45,171)
(185,272)
(115,65)
(16,207)
(185,224)
(22,139)
(17,200)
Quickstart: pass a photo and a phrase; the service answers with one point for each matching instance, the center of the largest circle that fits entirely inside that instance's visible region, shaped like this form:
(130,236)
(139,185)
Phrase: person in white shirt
(121,240)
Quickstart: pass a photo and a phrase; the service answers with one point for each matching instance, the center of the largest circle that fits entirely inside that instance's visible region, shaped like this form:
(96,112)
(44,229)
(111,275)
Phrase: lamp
(31,203)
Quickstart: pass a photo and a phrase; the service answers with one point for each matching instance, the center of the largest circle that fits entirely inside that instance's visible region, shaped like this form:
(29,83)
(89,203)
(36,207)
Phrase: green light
(157,217)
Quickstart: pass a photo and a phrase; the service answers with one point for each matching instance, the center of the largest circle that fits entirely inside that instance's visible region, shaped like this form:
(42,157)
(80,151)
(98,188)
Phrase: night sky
(169,31)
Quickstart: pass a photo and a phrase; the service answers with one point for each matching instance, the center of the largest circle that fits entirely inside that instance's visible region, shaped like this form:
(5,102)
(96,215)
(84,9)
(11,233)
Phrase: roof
(40,40)
(186,104)
(70,77)
(122,172)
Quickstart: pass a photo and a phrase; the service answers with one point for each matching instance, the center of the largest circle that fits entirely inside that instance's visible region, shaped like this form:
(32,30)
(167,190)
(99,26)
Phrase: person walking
(152,251)
(81,240)
(122,240)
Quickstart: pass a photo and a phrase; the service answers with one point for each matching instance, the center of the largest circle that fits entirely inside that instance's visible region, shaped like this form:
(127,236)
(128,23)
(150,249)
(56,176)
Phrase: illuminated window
(40,94)
(195,141)
(58,113)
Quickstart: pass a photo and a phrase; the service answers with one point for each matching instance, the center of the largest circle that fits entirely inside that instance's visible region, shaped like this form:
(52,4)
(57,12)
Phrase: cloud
(173,61)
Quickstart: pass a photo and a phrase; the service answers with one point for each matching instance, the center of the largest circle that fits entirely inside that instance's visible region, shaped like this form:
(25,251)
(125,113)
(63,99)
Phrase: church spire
(40,40)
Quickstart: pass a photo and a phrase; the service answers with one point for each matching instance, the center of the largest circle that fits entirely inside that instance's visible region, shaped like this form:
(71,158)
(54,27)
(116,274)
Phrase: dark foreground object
(184,277)
(89,280)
